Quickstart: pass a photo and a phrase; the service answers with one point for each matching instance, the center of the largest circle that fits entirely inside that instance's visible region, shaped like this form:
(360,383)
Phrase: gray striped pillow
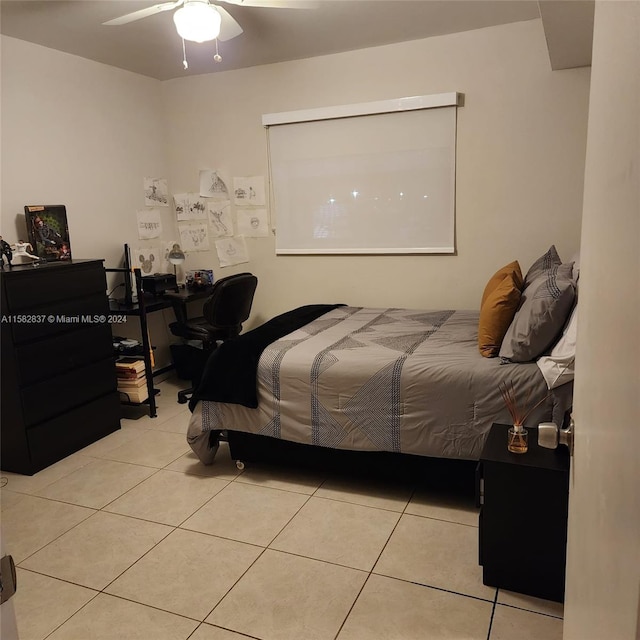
(542,265)
(543,312)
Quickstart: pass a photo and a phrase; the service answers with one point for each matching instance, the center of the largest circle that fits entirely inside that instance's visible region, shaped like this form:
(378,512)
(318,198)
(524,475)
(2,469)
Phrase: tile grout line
(430,586)
(353,604)
(493,612)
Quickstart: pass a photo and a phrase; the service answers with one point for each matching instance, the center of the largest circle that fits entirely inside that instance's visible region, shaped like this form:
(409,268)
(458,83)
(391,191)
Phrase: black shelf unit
(140,309)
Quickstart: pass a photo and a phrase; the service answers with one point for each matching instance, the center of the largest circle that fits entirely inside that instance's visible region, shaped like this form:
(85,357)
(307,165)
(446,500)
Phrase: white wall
(521,147)
(82,134)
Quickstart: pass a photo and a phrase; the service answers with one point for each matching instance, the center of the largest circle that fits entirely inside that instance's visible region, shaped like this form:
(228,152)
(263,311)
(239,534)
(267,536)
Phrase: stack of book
(132,380)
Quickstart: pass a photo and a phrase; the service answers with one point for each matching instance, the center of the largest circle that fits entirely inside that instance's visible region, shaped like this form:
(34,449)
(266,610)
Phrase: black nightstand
(523,520)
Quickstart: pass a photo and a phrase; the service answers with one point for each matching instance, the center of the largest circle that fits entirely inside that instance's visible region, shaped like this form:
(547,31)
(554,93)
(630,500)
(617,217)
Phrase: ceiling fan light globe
(197,21)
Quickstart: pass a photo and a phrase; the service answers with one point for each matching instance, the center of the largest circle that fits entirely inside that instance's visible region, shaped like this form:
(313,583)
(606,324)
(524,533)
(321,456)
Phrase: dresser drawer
(61,436)
(61,317)
(58,373)
(40,287)
(49,398)
(48,358)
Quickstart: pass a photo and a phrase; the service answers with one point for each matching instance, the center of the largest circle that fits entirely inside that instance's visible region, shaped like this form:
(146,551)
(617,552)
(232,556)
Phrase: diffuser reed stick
(518,412)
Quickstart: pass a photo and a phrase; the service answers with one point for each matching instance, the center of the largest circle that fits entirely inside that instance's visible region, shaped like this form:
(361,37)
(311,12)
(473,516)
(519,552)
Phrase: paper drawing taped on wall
(146,258)
(156,192)
(253,223)
(149,223)
(232,251)
(194,237)
(212,185)
(197,207)
(190,206)
(220,218)
(249,191)
(181,201)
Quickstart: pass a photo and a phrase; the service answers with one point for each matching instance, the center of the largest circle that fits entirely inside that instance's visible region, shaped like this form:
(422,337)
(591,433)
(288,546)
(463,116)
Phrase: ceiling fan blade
(229,28)
(276,4)
(143,13)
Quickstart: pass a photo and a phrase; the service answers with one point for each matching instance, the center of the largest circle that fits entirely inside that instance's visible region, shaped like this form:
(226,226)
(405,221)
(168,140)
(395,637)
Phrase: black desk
(148,304)
(179,299)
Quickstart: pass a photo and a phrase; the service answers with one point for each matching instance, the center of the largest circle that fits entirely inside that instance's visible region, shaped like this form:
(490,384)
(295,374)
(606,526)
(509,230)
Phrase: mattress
(366,379)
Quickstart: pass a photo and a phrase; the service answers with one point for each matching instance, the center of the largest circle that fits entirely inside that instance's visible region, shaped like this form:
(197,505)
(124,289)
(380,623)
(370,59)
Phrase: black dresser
(58,373)
(523,521)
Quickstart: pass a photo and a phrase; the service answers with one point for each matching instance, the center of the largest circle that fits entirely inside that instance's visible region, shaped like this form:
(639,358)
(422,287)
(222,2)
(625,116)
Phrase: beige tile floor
(132,538)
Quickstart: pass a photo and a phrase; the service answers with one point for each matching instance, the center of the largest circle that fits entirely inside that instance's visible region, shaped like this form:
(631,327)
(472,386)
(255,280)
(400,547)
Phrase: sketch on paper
(232,251)
(252,223)
(249,191)
(212,185)
(181,201)
(156,193)
(190,206)
(197,207)
(146,258)
(149,224)
(220,218)
(194,237)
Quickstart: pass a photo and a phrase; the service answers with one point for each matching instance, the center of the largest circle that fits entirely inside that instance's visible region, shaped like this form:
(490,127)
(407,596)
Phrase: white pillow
(559,366)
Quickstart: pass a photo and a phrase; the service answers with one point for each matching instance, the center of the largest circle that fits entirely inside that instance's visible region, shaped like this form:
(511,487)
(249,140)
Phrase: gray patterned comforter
(398,380)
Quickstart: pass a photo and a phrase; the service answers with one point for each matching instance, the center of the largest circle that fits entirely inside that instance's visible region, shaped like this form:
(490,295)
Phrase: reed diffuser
(517,437)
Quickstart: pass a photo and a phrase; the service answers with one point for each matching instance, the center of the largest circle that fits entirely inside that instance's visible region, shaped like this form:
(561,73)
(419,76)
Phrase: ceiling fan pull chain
(185,64)
(217,57)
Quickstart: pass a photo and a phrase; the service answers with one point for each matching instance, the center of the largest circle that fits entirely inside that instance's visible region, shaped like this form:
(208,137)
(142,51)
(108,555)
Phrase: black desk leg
(179,310)
(146,348)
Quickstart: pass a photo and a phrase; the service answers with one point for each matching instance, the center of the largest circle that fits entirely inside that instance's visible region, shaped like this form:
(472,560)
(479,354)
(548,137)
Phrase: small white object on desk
(21,250)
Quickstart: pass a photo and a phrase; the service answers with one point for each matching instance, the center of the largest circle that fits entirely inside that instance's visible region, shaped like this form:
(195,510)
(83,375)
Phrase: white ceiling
(152,47)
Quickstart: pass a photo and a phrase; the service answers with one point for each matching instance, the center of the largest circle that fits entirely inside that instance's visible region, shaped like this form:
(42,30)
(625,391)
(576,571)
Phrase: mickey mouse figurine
(5,252)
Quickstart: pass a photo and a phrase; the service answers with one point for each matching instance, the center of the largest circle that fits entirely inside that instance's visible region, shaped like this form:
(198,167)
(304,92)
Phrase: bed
(344,378)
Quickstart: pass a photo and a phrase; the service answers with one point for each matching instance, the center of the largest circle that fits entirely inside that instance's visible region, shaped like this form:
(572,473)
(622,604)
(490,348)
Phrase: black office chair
(223,314)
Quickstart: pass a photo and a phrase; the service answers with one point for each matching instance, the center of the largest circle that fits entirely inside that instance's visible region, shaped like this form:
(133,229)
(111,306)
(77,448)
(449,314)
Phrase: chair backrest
(230,302)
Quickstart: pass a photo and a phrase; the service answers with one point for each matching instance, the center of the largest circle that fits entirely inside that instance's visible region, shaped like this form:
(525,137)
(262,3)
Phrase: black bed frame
(254,448)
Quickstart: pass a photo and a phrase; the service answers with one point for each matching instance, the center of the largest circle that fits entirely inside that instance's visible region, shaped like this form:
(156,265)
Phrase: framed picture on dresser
(48,231)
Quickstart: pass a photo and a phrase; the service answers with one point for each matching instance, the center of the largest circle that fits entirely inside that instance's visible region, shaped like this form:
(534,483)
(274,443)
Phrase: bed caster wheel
(240,465)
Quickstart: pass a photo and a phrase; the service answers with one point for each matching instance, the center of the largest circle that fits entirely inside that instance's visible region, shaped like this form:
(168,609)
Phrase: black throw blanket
(231,372)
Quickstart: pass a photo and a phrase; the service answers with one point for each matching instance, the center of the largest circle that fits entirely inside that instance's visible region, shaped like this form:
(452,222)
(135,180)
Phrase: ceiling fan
(205,20)
(202,20)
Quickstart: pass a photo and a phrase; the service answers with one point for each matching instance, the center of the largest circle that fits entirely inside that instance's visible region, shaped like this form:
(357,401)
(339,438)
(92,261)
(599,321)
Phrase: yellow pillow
(497,313)
(512,268)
